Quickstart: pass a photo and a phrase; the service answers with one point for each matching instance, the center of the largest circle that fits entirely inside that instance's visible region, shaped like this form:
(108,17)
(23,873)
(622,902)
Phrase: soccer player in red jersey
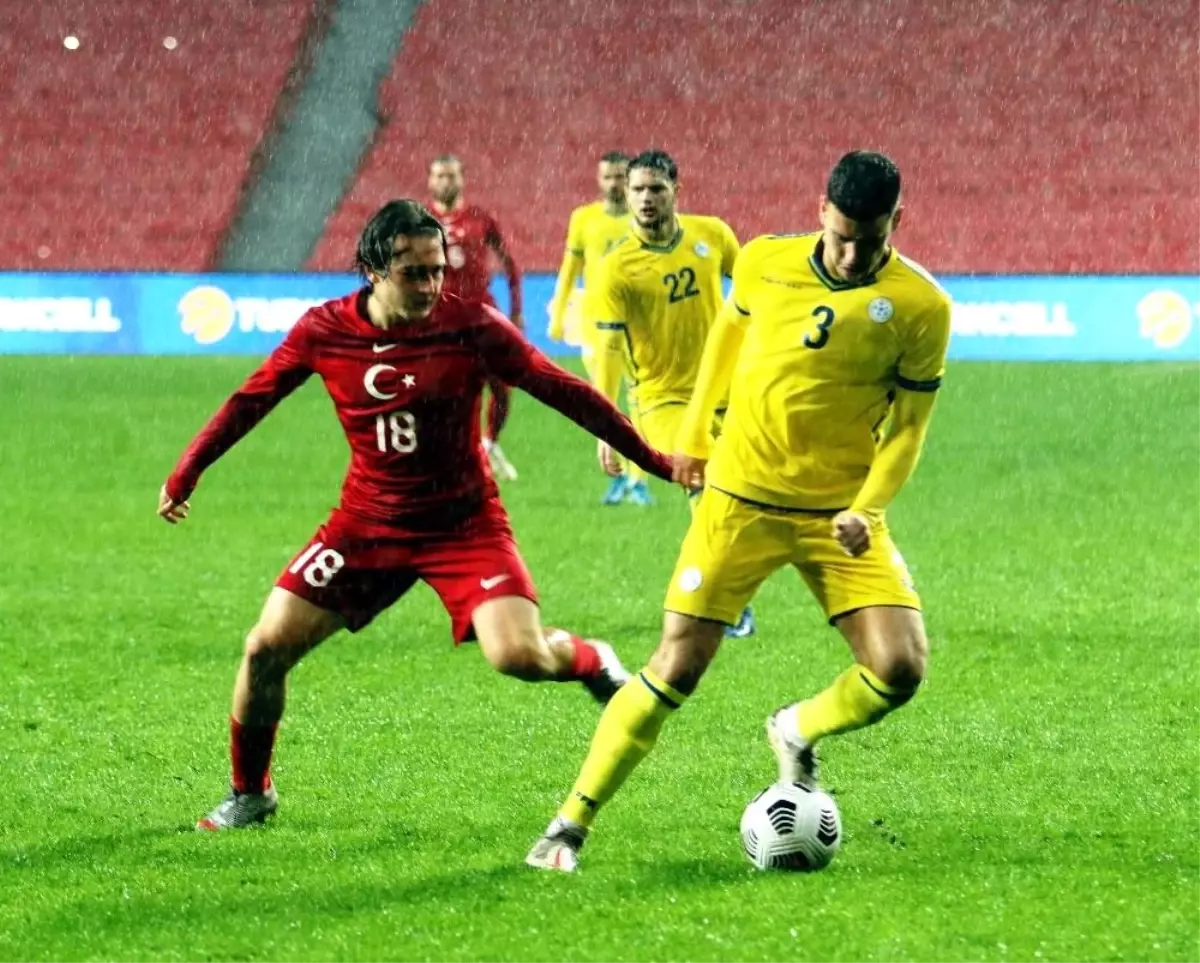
(472,237)
(405,366)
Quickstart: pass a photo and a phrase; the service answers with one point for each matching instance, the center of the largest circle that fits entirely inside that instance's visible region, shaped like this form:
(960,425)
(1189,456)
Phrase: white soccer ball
(790,827)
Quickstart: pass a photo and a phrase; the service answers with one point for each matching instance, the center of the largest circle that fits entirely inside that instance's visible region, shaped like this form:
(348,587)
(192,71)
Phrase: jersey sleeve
(729,249)
(512,359)
(492,235)
(495,240)
(736,309)
(923,359)
(576,241)
(285,369)
(609,307)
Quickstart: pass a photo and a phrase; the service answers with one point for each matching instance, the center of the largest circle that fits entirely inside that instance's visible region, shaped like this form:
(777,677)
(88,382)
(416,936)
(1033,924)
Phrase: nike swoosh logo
(381,348)
(487,584)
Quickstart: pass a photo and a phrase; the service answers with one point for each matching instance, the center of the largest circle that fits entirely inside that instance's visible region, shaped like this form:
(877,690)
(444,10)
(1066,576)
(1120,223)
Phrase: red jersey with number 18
(408,400)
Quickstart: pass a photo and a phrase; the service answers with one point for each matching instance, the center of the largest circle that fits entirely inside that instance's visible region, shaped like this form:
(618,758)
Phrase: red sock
(250,751)
(587,660)
(498,408)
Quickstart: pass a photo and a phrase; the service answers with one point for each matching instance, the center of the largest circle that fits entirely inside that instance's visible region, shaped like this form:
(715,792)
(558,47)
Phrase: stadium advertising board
(1141,318)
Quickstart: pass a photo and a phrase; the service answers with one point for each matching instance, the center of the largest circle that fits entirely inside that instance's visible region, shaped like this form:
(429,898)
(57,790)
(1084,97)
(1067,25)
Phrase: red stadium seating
(1034,135)
(123,153)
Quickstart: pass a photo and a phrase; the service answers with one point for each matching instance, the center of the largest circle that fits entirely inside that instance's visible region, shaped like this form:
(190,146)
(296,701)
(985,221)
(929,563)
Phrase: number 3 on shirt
(823,326)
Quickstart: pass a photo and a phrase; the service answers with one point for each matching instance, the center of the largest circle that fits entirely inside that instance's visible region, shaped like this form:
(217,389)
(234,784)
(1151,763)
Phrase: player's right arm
(286,368)
(610,313)
(568,274)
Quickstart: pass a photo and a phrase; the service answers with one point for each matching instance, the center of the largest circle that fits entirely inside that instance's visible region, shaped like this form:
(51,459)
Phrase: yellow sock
(634,473)
(856,699)
(627,731)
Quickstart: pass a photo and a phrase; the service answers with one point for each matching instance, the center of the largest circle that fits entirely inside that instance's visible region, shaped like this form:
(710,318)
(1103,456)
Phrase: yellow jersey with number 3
(657,302)
(819,366)
(591,233)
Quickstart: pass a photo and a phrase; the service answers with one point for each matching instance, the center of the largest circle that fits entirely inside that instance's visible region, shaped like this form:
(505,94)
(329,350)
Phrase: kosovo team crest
(880,310)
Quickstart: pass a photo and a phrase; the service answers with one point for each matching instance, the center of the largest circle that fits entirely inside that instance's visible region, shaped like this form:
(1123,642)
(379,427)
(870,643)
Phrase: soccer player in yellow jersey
(832,346)
(655,298)
(591,232)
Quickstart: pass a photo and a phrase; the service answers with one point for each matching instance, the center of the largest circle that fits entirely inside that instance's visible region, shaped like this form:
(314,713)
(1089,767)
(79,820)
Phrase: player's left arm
(610,311)
(511,358)
(918,377)
(495,240)
(729,249)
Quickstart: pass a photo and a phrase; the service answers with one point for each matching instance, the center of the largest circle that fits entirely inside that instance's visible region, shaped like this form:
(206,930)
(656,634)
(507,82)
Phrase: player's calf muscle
(513,640)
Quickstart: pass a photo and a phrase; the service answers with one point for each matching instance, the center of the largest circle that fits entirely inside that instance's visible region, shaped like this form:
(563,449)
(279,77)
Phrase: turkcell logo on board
(208,313)
(1076,319)
(64,315)
(995,318)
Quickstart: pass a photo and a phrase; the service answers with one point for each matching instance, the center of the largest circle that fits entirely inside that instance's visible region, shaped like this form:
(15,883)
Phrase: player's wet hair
(656,160)
(864,185)
(402,218)
(615,157)
(445,159)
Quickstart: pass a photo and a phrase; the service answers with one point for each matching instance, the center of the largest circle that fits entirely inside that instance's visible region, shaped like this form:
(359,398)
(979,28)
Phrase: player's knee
(687,647)
(900,663)
(521,655)
(269,652)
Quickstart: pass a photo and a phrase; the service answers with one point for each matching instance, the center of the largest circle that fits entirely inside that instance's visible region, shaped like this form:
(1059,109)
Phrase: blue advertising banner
(1140,318)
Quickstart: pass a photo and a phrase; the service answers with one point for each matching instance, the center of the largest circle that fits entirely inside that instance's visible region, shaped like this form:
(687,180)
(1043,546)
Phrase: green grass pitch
(1037,801)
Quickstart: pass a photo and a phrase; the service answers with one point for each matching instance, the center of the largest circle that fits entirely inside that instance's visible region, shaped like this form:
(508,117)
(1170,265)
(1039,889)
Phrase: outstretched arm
(285,369)
(516,361)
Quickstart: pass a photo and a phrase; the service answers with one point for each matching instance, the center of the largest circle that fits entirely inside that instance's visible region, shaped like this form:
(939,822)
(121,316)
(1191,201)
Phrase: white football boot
(558,848)
(612,675)
(241,809)
(797,759)
(500,463)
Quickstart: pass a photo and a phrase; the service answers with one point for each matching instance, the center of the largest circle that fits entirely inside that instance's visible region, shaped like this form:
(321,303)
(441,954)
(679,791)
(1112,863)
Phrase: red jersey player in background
(405,366)
(472,237)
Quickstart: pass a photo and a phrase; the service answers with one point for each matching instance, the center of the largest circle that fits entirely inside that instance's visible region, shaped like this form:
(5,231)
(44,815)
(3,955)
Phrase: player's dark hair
(615,157)
(656,160)
(864,185)
(445,159)
(403,218)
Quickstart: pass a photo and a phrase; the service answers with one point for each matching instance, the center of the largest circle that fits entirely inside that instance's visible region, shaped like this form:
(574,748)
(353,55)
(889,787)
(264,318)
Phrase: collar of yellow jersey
(666,248)
(817,263)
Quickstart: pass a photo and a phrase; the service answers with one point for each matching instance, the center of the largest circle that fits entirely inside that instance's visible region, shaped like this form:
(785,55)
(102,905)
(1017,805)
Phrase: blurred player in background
(405,367)
(832,347)
(656,295)
(592,231)
(472,238)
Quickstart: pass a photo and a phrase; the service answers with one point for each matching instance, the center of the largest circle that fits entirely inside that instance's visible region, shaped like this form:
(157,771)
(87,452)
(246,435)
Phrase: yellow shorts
(733,545)
(660,423)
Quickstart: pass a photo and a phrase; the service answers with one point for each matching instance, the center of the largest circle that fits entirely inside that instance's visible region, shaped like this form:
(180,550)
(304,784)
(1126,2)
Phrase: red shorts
(358,568)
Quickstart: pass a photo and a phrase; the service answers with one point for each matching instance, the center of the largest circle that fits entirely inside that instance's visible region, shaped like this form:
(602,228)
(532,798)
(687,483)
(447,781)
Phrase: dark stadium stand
(1027,144)
(123,153)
